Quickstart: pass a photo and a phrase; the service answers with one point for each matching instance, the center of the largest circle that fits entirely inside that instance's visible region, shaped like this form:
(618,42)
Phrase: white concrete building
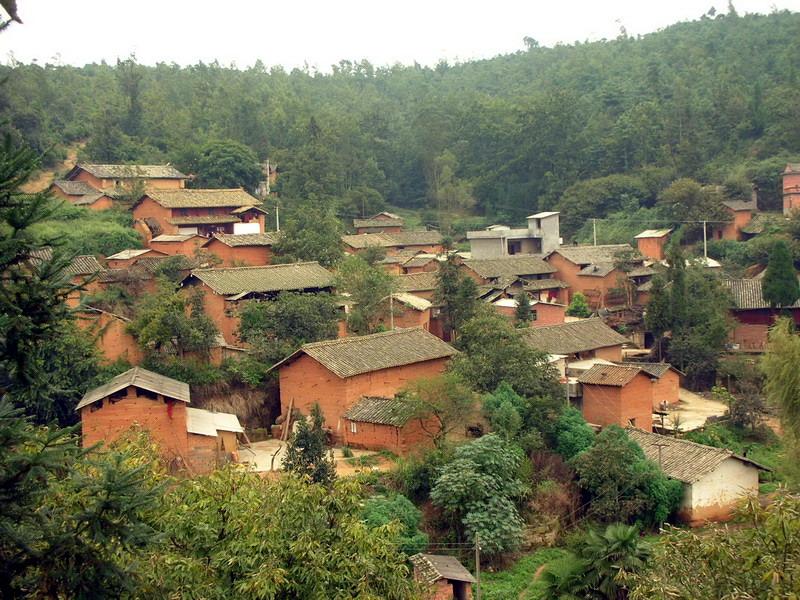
(714,479)
(540,237)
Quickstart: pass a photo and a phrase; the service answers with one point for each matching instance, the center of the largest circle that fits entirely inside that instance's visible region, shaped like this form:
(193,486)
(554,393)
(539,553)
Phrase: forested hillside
(714,100)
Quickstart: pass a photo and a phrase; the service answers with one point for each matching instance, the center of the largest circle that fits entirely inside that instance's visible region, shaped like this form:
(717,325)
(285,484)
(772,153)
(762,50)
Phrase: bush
(381,510)
(415,475)
(572,434)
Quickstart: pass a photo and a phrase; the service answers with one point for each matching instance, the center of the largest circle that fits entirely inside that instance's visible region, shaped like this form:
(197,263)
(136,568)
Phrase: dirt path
(43,179)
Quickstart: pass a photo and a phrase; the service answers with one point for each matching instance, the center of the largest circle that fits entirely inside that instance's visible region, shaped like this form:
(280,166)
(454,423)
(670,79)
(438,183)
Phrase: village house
(541,236)
(337,374)
(791,188)
(185,244)
(129,257)
(740,213)
(404,310)
(394,243)
(418,284)
(445,576)
(513,274)
(199,211)
(82,272)
(110,334)
(542,313)
(753,316)
(224,288)
(577,340)
(714,479)
(80,193)
(383,222)
(190,438)
(595,272)
(617,395)
(246,249)
(652,242)
(666,381)
(380,423)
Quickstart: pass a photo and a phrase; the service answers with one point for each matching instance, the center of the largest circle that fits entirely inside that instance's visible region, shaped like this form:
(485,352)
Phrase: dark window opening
(146,394)
(96,406)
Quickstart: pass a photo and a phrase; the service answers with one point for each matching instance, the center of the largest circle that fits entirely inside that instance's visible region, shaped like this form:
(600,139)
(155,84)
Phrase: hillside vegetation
(713,100)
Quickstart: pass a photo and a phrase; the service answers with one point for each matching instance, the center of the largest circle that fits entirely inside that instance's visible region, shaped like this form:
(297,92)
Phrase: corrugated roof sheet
(748,294)
(141,378)
(614,375)
(388,240)
(585,255)
(247,239)
(653,233)
(201,198)
(206,422)
(412,301)
(271,278)
(681,459)
(75,188)
(380,411)
(131,171)
(433,567)
(792,168)
(417,282)
(129,253)
(351,356)
(512,266)
(569,338)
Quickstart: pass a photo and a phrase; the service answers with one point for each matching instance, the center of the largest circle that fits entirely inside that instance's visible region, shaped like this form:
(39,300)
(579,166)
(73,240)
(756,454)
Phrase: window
(632,422)
(534,315)
(96,406)
(353,427)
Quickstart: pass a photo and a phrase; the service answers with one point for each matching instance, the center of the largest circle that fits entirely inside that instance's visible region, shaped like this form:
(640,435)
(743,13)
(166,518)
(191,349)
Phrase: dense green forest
(591,128)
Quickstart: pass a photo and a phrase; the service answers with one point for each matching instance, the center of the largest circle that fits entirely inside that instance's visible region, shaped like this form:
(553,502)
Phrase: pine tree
(780,287)
(579,307)
(522,314)
(307,454)
(456,294)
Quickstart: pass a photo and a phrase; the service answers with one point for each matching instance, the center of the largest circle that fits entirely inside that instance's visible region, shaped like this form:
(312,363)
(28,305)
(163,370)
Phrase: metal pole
(594,231)
(391,312)
(277,216)
(477,567)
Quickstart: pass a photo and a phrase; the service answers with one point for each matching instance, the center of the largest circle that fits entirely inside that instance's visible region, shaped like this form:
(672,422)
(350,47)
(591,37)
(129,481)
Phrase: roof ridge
(552,325)
(219,269)
(354,338)
(686,442)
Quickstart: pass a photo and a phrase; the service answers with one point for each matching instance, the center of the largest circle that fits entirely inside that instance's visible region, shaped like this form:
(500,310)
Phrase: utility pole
(277,215)
(660,445)
(391,312)
(705,242)
(594,231)
(477,567)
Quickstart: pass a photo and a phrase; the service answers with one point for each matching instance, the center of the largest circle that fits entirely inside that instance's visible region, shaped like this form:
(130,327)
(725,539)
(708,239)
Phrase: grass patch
(512,582)
(369,460)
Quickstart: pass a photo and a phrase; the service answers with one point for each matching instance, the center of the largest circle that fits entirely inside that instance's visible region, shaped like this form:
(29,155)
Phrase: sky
(294,33)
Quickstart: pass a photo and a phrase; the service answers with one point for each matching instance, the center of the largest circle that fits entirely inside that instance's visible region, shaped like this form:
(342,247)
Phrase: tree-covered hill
(714,99)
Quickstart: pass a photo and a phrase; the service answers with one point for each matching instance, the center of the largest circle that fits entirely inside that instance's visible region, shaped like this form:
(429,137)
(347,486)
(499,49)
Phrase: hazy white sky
(320,33)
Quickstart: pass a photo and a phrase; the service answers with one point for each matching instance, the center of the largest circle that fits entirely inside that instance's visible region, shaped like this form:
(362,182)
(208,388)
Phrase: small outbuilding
(714,479)
(375,423)
(445,575)
(190,438)
(617,395)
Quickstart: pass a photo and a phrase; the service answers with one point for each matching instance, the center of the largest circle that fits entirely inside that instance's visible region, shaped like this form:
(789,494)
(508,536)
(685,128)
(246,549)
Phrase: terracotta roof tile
(613,375)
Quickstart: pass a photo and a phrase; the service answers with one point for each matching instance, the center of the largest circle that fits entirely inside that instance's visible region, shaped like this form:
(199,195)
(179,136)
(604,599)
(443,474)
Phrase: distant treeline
(714,100)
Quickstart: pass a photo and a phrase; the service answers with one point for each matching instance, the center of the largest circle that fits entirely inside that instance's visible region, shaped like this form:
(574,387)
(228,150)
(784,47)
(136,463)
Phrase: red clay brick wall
(167,427)
(666,389)
(791,192)
(186,248)
(150,208)
(594,288)
(750,336)
(111,338)
(652,247)
(408,317)
(241,255)
(612,353)
(308,382)
(429,267)
(403,440)
(611,405)
(221,312)
(387,229)
(548,314)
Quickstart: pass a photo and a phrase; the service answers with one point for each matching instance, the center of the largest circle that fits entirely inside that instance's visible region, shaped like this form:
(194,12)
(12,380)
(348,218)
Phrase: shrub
(381,510)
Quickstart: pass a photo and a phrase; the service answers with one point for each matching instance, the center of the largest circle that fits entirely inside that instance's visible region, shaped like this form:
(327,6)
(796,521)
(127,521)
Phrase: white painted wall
(726,484)
(240,228)
(185,230)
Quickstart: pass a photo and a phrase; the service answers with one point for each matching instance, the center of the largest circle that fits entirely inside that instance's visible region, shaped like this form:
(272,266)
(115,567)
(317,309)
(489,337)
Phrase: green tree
(760,559)
(602,566)
(522,312)
(307,454)
(780,286)
(170,323)
(369,288)
(621,484)
(226,164)
(310,234)
(382,510)
(493,352)
(457,294)
(445,399)
(578,306)
(478,491)
(572,433)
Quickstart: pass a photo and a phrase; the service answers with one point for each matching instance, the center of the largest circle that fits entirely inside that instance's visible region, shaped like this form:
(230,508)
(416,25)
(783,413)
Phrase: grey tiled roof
(75,188)
(535,285)
(569,338)
(234,281)
(141,378)
(378,223)
(204,220)
(433,567)
(380,411)
(655,369)
(737,205)
(417,282)
(586,255)
(597,269)
(84,264)
(247,239)
(131,171)
(346,357)
(388,240)
(202,198)
(613,375)
(747,294)
(681,459)
(512,266)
